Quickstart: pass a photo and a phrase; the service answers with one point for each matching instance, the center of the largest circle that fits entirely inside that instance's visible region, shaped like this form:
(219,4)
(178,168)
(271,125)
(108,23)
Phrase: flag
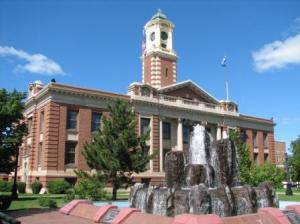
(224,62)
(144,43)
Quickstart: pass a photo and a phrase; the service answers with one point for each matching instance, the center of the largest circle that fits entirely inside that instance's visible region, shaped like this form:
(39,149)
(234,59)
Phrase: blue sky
(97,44)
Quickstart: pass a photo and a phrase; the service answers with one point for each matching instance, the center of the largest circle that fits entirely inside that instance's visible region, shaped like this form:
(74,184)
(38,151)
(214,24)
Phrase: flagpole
(224,64)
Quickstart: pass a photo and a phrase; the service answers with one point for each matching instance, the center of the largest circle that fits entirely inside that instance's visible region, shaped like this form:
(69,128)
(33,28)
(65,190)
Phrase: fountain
(205,182)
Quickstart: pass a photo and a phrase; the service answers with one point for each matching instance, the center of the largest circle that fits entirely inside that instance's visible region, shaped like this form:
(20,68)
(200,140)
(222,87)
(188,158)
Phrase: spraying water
(197,146)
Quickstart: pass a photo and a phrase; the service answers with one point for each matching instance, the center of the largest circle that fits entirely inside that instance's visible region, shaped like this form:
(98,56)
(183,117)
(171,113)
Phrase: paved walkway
(38,216)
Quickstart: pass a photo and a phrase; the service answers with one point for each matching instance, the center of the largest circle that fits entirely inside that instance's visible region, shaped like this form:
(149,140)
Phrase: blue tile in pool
(120,204)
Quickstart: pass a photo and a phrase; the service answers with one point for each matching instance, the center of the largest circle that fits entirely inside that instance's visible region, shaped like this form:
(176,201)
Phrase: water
(120,204)
(197,146)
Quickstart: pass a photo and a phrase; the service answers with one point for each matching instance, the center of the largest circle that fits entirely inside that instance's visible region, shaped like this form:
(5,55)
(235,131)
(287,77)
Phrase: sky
(97,44)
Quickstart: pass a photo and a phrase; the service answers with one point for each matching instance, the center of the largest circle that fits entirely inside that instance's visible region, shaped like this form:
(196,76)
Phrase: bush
(89,187)
(47,202)
(36,187)
(267,172)
(21,187)
(5,201)
(70,195)
(58,186)
(5,186)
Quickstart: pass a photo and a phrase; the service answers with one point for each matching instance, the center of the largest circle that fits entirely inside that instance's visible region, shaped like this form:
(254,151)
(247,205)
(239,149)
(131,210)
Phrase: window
(70,153)
(266,144)
(166,131)
(255,158)
(40,151)
(72,119)
(266,157)
(145,125)
(146,152)
(96,121)
(164,155)
(145,91)
(255,140)
(166,72)
(186,134)
(42,121)
(243,136)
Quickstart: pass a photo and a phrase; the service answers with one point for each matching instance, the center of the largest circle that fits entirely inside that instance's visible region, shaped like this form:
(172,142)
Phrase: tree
(117,151)
(267,172)
(243,155)
(294,160)
(12,130)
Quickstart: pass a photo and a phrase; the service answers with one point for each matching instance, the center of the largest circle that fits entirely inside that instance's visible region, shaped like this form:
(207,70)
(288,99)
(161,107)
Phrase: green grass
(281,190)
(28,203)
(283,197)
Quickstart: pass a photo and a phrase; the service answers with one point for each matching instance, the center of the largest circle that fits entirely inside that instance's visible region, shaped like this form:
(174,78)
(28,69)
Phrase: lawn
(283,197)
(28,201)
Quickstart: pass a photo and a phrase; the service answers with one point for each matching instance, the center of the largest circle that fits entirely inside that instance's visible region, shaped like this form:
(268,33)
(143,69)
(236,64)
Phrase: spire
(159,15)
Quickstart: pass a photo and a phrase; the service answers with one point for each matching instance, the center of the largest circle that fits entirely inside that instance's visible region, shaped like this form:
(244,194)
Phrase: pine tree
(117,151)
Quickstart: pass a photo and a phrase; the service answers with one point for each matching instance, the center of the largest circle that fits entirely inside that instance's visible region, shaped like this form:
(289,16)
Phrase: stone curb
(70,206)
(276,214)
(295,208)
(102,211)
(124,213)
(197,219)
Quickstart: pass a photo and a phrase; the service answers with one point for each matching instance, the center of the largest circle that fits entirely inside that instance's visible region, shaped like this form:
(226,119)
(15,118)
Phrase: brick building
(61,118)
(280,154)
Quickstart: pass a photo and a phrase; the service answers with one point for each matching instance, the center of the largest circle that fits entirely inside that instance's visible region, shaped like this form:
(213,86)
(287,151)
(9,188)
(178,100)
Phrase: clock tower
(159,58)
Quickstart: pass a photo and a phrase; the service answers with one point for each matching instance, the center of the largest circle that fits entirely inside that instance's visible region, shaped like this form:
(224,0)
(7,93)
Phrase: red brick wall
(84,122)
(34,140)
(260,147)
(155,142)
(62,137)
(147,69)
(51,137)
(166,64)
(271,148)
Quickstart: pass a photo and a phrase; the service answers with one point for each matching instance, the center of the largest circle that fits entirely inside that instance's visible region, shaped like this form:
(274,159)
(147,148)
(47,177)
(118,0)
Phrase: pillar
(161,148)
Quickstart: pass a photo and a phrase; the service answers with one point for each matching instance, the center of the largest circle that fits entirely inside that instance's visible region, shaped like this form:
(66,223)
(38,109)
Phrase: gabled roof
(193,86)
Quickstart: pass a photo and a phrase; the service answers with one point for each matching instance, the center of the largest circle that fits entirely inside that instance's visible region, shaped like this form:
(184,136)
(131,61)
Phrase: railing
(165,99)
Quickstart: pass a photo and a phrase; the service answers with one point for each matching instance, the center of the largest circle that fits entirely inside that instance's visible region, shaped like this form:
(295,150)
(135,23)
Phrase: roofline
(191,82)
(257,119)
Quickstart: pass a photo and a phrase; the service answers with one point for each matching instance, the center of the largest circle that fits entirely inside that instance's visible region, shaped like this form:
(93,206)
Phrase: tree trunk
(114,192)
(14,193)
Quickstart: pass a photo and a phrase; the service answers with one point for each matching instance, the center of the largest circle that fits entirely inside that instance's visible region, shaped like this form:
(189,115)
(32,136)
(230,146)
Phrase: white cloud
(278,54)
(36,63)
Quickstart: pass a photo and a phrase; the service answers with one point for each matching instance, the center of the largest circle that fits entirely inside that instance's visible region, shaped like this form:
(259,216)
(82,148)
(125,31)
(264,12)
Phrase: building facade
(280,154)
(62,118)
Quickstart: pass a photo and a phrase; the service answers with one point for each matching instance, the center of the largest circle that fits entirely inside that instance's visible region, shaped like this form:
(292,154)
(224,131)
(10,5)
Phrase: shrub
(5,186)
(5,201)
(58,186)
(267,172)
(70,195)
(47,202)
(89,187)
(21,187)
(36,187)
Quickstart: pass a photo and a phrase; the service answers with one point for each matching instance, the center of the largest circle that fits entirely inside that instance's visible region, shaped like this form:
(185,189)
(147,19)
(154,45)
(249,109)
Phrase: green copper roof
(159,15)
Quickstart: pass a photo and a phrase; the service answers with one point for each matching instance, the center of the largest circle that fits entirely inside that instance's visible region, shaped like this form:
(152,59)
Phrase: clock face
(163,35)
(152,36)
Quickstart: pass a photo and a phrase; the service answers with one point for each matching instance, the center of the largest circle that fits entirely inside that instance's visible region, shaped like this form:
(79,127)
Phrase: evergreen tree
(294,160)
(117,151)
(12,130)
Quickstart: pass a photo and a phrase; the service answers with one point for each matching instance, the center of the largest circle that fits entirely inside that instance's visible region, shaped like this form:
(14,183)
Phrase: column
(179,135)
(161,148)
